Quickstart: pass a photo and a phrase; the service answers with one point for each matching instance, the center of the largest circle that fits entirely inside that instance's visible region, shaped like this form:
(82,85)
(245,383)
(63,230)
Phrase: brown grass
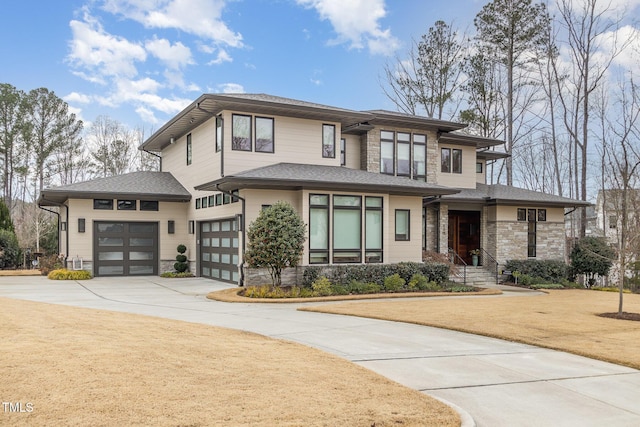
(80,367)
(564,320)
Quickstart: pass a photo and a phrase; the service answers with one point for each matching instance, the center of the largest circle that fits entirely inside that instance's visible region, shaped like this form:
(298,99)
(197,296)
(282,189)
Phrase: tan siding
(466,179)
(481,178)
(81,244)
(412,249)
(352,143)
(296,141)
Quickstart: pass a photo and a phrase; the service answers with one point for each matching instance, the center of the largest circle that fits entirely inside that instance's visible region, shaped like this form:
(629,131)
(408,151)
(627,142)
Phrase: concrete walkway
(491,382)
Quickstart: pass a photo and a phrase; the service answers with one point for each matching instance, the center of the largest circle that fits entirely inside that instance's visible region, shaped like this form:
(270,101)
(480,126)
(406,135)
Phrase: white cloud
(231,88)
(76,97)
(147,115)
(174,56)
(223,56)
(356,22)
(101,53)
(202,18)
(626,41)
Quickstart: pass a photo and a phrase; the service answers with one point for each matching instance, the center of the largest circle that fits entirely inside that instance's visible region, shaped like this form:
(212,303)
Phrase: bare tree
(113,151)
(429,79)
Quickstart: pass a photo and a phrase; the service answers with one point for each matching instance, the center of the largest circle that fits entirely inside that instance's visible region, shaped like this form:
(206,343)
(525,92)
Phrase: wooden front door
(464,233)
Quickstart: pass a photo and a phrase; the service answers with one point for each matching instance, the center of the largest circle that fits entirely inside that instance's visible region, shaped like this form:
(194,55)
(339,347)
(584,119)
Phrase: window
(218,199)
(218,133)
(204,202)
(419,157)
(522,214)
(148,205)
(241,133)
(328,141)
(404,154)
(127,205)
(211,201)
(318,229)
(347,229)
(531,233)
(613,221)
(456,161)
(103,204)
(387,152)
(198,203)
(542,215)
(189,150)
(402,224)
(264,135)
(478,167)
(343,152)
(373,229)
(445,160)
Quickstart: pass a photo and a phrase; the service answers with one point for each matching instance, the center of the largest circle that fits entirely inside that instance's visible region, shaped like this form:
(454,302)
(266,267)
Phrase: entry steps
(476,276)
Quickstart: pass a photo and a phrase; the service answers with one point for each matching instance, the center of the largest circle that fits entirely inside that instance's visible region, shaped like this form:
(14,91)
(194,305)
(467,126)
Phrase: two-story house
(372,187)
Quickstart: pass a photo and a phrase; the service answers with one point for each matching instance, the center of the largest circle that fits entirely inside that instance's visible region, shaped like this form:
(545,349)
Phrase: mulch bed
(622,316)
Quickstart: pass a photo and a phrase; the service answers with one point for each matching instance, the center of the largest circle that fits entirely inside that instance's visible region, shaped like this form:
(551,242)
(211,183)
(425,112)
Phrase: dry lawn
(564,320)
(81,367)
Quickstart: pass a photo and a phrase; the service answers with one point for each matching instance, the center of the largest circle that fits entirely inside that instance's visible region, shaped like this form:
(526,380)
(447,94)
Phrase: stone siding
(261,276)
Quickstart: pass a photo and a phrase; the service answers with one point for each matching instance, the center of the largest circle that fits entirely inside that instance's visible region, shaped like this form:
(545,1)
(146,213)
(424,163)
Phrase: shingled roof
(160,186)
(293,176)
(504,194)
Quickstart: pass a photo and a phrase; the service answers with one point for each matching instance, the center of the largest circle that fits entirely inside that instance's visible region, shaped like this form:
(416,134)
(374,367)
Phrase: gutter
(242,227)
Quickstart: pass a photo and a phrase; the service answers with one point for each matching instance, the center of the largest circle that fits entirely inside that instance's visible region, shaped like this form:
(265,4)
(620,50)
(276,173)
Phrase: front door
(464,233)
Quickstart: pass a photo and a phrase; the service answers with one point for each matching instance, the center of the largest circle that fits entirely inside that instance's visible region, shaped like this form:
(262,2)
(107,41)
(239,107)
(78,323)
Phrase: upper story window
(479,167)
(419,156)
(189,150)
(127,205)
(264,135)
(387,152)
(343,152)
(328,141)
(451,160)
(148,205)
(404,154)
(241,132)
(218,133)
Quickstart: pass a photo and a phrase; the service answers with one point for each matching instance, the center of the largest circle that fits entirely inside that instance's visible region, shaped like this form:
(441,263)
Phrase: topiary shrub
(181,264)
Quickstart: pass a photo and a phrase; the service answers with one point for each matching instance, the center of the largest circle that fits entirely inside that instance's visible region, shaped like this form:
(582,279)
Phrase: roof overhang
(460,138)
(391,118)
(57,198)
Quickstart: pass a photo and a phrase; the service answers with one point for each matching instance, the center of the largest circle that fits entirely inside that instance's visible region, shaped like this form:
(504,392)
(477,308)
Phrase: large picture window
(218,133)
(264,135)
(318,229)
(347,229)
(241,133)
(404,154)
(328,141)
(373,229)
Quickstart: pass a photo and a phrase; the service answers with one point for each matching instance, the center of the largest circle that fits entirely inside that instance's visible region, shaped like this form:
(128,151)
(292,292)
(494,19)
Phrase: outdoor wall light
(192,227)
(63,226)
(81,224)
(171,225)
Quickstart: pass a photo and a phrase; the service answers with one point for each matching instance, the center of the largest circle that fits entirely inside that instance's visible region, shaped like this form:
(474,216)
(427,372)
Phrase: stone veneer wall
(370,151)
(260,276)
(509,238)
(431,228)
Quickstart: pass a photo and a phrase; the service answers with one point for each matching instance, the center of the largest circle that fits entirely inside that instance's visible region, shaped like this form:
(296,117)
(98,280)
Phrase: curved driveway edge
(498,383)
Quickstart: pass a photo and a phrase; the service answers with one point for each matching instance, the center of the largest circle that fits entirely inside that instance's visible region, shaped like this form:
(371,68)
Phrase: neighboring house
(372,186)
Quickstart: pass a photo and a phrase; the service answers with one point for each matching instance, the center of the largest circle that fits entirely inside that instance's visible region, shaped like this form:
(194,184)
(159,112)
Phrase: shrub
(591,256)
(418,281)
(321,287)
(174,275)
(181,264)
(276,240)
(546,286)
(9,249)
(48,263)
(549,270)
(394,283)
(64,274)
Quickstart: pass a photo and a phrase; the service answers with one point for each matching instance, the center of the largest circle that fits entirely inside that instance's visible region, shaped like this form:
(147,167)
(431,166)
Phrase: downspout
(66,254)
(242,227)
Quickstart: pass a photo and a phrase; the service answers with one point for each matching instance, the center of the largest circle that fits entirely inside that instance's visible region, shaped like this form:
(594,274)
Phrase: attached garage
(125,248)
(219,250)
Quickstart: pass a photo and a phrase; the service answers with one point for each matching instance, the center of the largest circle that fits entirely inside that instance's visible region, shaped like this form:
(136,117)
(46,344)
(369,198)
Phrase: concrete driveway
(491,382)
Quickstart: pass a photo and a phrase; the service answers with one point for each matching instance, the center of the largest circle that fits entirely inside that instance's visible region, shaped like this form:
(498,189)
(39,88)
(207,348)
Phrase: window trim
(219,133)
(380,209)
(235,146)
(456,167)
(386,141)
(149,205)
(273,132)
(326,208)
(445,166)
(331,155)
(343,152)
(423,145)
(339,208)
(407,236)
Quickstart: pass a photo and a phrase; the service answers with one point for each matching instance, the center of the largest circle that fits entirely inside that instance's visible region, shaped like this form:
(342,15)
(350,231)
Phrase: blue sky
(142,61)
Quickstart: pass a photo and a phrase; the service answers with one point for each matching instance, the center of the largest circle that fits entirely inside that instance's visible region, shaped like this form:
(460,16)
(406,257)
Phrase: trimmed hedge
(375,273)
(64,274)
(552,271)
